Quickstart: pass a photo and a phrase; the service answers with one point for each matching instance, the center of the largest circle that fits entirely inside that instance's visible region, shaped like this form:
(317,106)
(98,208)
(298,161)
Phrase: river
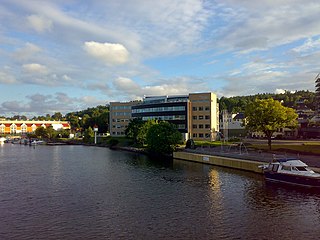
(79,192)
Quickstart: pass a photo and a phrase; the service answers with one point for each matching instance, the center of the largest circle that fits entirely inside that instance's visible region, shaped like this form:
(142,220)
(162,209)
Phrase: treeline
(95,116)
(288,99)
(80,120)
(99,116)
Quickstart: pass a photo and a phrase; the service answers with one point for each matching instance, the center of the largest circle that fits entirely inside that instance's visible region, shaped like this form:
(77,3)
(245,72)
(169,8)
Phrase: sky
(69,55)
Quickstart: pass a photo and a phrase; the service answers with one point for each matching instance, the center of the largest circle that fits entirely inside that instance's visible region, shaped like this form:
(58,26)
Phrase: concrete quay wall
(241,164)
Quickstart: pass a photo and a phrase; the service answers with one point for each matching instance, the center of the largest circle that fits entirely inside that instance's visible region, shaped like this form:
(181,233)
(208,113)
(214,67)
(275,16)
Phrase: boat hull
(293,179)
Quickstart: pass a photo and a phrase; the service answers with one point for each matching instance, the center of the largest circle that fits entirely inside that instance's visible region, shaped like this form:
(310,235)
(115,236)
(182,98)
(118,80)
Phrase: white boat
(37,142)
(291,171)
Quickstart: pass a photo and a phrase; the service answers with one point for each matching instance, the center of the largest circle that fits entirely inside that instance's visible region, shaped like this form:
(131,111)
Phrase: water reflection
(76,192)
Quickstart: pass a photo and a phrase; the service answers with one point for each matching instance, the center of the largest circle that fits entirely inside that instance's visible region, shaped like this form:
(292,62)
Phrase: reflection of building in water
(214,181)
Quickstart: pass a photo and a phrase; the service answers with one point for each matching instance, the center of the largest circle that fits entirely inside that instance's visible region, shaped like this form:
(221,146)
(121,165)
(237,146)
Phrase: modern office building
(173,109)
(195,115)
(203,116)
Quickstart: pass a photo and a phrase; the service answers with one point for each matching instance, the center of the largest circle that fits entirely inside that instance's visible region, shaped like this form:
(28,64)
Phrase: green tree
(41,132)
(133,129)
(163,138)
(56,116)
(142,133)
(88,135)
(268,116)
(51,133)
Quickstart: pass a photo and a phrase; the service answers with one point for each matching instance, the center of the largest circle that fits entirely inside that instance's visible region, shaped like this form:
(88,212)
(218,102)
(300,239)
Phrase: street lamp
(95,129)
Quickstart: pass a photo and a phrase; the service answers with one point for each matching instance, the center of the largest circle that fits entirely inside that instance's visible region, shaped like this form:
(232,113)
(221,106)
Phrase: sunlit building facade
(195,115)
(29,126)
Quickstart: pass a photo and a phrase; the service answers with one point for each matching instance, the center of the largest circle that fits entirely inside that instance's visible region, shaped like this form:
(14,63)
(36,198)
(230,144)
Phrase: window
(207,108)
(194,135)
(207,126)
(200,135)
(207,117)
(275,167)
(194,117)
(287,168)
(194,126)
(194,108)
(181,126)
(200,126)
(200,117)
(200,108)
(301,168)
(13,128)
(24,128)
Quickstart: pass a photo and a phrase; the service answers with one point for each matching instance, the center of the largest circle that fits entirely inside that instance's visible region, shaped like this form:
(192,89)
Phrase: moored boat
(291,171)
(37,142)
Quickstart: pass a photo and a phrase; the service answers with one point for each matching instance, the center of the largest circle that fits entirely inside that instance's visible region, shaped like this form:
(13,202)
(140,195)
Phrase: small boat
(292,171)
(37,142)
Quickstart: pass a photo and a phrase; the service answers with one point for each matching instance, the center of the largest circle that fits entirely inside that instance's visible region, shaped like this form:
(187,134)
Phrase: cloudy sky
(68,55)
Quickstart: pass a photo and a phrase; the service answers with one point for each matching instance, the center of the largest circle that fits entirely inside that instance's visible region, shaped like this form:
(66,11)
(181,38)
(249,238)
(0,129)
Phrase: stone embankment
(239,159)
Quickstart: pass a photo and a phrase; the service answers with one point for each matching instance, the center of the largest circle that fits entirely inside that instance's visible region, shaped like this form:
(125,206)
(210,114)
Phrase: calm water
(77,192)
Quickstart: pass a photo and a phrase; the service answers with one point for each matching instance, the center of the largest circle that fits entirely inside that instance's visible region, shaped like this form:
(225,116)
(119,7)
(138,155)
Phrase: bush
(113,142)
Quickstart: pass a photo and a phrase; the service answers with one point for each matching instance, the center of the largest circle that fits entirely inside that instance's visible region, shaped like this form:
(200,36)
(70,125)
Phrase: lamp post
(95,129)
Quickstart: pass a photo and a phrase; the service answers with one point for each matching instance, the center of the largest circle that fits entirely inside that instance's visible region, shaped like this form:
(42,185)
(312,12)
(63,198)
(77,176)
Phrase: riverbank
(245,160)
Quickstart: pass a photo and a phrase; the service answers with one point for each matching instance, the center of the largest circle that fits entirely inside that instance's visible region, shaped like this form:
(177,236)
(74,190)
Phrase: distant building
(23,127)
(232,125)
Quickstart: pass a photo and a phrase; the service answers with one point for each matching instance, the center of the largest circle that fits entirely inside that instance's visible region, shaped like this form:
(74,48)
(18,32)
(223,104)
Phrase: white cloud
(39,23)
(279,91)
(127,85)
(7,78)
(35,68)
(109,53)
(176,86)
(308,45)
(27,52)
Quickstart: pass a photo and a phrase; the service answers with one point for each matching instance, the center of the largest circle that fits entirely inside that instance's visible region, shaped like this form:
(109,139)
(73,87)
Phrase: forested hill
(238,104)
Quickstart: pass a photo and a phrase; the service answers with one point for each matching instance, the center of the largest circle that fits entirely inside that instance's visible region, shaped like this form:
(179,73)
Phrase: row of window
(128,114)
(201,135)
(13,128)
(119,126)
(120,107)
(118,133)
(201,117)
(206,126)
(206,108)
(120,120)
(201,100)
(165,118)
(159,109)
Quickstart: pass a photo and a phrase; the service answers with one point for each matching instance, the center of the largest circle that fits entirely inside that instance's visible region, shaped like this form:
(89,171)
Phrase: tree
(268,116)
(133,129)
(41,132)
(163,138)
(142,133)
(88,135)
(57,116)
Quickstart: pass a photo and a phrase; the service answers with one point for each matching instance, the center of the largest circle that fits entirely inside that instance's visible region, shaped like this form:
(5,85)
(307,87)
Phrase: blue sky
(68,55)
